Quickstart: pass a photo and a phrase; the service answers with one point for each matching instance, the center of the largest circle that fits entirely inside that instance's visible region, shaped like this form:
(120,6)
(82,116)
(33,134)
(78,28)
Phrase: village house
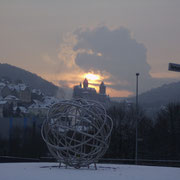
(3,104)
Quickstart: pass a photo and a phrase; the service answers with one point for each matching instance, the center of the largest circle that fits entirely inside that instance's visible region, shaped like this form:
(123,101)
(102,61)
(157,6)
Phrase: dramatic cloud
(113,54)
(114,51)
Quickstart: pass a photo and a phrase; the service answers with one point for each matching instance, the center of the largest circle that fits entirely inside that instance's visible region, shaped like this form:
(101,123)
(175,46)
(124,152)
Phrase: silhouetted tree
(167,132)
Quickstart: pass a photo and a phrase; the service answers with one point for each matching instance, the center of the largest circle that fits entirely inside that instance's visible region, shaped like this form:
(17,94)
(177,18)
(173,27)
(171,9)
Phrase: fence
(170,163)
(8,124)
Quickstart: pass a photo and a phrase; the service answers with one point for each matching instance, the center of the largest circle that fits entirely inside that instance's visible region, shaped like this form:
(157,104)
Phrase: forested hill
(167,93)
(34,81)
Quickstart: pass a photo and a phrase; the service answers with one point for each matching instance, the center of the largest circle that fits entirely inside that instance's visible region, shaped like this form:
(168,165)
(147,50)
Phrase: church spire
(85,83)
(102,88)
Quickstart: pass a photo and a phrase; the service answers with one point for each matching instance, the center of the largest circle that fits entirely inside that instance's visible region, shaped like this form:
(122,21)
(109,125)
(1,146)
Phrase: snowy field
(50,171)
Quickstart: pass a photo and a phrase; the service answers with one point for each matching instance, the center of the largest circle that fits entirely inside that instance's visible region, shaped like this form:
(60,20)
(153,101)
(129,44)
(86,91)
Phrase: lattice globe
(77,132)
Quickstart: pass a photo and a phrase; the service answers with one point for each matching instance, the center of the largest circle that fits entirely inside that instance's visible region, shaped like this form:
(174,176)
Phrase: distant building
(38,109)
(41,108)
(102,88)
(2,85)
(23,93)
(17,99)
(37,94)
(12,99)
(90,93)
(3,104)
(5,91)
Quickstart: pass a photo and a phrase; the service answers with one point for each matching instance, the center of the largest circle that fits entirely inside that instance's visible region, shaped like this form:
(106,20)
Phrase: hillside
(160,96)
(34,81)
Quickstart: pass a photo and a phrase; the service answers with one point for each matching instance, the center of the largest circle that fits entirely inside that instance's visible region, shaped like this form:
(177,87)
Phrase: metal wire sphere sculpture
(77,132)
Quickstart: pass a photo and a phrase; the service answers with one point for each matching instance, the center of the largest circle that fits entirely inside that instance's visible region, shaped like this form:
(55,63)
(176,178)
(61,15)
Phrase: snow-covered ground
(50,171)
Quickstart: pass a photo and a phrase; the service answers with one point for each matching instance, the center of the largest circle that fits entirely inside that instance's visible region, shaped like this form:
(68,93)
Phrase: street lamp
(136,151)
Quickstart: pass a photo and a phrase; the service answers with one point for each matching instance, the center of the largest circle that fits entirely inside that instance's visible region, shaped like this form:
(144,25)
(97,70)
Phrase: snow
(50,171)
(3,102)
(11,97)
(47,102)
(2,84)
(22,109)
(18,87)
(37,91)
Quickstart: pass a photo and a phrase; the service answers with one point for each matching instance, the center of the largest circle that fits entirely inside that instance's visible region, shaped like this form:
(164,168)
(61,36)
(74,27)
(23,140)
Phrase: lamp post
(137,113)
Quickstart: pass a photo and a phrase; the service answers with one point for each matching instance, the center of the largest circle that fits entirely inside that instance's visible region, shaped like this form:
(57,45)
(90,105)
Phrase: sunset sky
(65,41)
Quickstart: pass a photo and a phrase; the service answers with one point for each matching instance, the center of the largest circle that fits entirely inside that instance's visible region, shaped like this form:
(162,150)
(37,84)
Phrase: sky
(64,40)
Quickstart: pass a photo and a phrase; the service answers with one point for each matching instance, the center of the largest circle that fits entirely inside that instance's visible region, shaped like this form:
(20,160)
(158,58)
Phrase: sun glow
(92,77)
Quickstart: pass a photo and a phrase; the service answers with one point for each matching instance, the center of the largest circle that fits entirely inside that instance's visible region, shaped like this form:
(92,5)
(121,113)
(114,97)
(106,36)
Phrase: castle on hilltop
(90,93)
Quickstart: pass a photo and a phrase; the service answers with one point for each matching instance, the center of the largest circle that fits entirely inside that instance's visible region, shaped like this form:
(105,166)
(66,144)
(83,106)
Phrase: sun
(92,77)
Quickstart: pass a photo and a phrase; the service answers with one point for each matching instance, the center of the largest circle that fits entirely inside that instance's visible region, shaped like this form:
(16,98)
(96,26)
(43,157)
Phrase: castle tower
(102,88)
(85,83)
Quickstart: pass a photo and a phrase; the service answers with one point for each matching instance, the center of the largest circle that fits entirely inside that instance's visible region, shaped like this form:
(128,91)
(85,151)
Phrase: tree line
(158,138)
